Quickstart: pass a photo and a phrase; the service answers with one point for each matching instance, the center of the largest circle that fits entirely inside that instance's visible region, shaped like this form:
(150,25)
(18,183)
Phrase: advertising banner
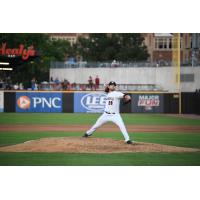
(1,101)
(38,102)
(89,102)
(147,103)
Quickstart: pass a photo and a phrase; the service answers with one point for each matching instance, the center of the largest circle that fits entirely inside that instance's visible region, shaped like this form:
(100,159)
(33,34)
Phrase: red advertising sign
(20,51)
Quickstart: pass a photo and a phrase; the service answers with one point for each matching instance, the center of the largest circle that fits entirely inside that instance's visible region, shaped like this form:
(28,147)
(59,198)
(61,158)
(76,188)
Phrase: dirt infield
(89,145)
(104,128)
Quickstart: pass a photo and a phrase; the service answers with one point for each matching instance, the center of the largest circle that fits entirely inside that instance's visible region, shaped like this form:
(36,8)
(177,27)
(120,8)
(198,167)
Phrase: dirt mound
(89,145)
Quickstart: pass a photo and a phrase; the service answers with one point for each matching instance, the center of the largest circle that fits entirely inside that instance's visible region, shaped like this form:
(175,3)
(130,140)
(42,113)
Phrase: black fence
(190,103)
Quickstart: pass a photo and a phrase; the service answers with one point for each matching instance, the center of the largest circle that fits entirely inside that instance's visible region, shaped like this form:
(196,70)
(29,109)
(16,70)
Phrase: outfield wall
(161,76)
(94,102)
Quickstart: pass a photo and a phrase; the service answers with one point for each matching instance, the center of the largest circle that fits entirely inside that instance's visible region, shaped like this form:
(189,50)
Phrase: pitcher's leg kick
(115,119)
(102,120)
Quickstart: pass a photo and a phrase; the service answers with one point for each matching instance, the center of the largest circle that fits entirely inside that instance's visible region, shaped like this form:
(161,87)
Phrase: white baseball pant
(115,118)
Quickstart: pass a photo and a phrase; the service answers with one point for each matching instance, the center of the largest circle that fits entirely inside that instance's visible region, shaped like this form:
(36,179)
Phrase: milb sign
(38,102)
(89,102)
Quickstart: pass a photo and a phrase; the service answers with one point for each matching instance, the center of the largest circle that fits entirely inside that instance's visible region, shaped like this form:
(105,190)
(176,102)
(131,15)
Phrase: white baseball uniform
(111,113)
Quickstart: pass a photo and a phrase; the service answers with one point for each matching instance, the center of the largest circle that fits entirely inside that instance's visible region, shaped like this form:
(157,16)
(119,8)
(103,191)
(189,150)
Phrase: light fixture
(6,69)
(4,63)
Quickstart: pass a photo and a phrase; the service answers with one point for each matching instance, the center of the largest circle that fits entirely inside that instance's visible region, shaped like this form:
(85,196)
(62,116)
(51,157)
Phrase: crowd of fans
(56,84)
(6,83)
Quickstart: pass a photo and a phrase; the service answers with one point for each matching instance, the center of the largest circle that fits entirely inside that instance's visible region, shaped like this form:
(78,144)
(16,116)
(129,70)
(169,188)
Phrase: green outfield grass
(72,118)
(123,159)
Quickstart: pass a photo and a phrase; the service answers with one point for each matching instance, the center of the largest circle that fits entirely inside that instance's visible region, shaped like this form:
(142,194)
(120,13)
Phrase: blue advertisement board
(38,102)
(89,102)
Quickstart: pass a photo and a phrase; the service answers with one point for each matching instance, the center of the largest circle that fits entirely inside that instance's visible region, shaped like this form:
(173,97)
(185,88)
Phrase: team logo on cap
(24,102)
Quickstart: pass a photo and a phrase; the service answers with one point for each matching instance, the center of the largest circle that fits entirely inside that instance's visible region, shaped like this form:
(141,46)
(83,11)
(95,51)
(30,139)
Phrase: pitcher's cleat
(129,142)
(86,135)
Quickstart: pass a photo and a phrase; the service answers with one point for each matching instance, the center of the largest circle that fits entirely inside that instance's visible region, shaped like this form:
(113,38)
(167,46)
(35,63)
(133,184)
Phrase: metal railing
(86,87)
(160,63)
(58,64)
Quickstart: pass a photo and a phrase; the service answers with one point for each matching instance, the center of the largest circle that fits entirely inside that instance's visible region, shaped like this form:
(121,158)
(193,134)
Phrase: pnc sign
(38,102)
(20,51)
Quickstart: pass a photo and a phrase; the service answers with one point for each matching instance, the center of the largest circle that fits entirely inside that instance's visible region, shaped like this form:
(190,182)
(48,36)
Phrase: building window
(165,43)
(170,43)
(156,43)
(162,43)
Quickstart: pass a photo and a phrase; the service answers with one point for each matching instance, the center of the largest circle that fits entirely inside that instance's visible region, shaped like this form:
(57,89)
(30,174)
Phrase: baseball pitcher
(111,111)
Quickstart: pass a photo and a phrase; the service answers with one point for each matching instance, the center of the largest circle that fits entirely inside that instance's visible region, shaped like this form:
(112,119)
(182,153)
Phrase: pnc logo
(24,102)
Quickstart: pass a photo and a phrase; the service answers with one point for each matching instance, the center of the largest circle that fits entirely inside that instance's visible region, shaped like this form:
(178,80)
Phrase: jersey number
(110,103)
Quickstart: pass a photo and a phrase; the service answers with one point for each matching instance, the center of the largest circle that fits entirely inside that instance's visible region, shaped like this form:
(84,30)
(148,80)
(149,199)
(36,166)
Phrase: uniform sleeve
(120,95)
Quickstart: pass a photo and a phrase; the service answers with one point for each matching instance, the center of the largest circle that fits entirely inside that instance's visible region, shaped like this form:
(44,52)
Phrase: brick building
(159,46)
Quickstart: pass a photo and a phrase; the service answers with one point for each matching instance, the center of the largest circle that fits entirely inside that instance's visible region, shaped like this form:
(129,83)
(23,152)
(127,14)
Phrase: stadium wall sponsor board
(147,103)
(1,101)
(38,102)
(95,102)
(89,102)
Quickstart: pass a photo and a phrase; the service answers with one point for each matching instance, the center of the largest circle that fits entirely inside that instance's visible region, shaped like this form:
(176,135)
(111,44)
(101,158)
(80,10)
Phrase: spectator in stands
(57,81)
(51,80)
(33,83)
(90,82)
(74,85)
(21,87)
(66,84)
(36,86)
(16,86)
(97,82)
(114,63)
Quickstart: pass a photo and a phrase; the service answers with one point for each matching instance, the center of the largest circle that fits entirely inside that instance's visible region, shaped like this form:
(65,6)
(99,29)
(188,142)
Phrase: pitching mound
(89,145)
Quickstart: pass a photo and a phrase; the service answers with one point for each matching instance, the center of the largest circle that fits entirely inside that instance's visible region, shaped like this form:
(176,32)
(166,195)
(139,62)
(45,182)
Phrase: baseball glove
(126,99)
(106,89)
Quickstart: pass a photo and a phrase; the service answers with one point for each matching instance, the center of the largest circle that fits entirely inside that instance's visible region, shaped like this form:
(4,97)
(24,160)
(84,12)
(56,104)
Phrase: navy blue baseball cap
(112,83)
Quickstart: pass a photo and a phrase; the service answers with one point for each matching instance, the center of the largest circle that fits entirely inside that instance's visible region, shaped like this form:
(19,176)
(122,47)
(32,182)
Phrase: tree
(118,46)
(132,47)
(47,49)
